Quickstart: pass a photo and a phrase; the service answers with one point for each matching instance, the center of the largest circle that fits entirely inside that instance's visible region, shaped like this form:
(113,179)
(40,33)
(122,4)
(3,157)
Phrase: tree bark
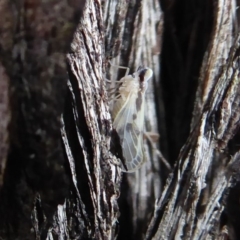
(60,175)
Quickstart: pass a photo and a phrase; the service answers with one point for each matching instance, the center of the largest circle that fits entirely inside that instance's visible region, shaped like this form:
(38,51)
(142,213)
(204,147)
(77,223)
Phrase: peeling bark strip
(188,193)
(218,49)
(96,180)
(133,31)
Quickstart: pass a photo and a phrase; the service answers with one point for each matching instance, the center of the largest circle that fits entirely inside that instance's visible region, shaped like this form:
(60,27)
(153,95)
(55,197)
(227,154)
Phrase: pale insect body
(128,117)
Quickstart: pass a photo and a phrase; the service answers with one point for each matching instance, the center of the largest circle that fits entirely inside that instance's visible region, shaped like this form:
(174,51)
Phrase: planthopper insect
(128,116)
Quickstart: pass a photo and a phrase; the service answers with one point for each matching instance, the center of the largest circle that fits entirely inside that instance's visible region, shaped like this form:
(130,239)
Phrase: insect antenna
(139,68)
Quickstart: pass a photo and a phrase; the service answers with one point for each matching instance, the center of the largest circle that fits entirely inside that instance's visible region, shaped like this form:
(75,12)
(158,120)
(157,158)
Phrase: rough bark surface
(59,156)
(96,177)
(35,37)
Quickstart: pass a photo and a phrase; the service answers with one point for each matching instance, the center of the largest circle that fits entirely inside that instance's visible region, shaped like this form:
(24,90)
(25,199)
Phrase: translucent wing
(128,117)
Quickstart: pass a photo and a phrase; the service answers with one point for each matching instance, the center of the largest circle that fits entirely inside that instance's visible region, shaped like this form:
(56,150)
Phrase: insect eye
(142,74)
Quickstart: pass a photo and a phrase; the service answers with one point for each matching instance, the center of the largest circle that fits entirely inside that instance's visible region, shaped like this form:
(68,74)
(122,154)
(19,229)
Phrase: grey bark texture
(60,175)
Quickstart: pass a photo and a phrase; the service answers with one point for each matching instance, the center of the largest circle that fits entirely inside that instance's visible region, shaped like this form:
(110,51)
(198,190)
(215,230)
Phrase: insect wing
(129,123)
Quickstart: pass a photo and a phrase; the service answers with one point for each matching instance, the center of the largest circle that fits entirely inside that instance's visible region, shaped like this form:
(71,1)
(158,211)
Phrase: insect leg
(150,137)
(121,67)
(110,81)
